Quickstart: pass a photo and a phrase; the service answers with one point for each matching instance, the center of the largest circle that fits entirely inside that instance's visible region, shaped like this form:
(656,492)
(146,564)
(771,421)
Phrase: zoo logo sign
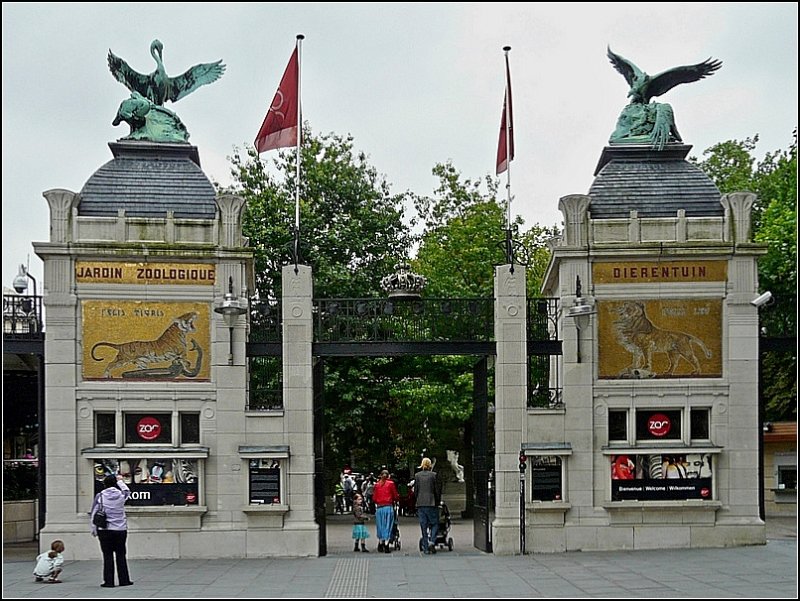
(148,428)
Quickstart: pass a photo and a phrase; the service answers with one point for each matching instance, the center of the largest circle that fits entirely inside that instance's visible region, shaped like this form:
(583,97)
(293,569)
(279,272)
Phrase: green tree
(351,234)
(733,168)
(462,241)
(463,237)
(351,226)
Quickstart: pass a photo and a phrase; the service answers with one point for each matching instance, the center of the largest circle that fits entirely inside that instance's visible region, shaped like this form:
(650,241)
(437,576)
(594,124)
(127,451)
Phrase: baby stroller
(443,537)
(395,535)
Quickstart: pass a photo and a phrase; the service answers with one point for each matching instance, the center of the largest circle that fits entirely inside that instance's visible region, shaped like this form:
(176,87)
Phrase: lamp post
(580,312)
(29,305)
(230,309)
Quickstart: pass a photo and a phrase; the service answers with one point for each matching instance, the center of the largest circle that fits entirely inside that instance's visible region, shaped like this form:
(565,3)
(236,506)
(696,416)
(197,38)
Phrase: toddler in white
(48,564)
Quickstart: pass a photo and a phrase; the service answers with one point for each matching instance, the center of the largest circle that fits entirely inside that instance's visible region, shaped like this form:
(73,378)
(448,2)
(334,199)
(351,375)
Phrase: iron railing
(542,318)
(266,384)
(263,399)
(404,320)
(544,390)
(265,321)
(22,317)
(779,319)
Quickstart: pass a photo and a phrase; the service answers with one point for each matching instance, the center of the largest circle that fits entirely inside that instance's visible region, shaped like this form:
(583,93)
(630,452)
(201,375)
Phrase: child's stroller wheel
(450,544)
(397,546)
(420,544)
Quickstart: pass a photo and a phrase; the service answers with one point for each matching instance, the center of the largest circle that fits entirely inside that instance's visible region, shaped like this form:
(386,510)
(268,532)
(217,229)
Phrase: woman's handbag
(100,519)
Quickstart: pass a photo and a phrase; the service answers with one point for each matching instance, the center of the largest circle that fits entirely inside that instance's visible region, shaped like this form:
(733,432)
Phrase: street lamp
(230,309)
(580,312)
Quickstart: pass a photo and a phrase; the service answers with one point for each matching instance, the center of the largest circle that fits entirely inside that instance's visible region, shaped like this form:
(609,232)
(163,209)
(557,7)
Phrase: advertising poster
(156,481)
(661,477)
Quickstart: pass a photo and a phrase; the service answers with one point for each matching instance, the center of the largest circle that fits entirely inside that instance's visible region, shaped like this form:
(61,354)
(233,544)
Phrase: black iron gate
(482,533)
(421,327)
(319,464)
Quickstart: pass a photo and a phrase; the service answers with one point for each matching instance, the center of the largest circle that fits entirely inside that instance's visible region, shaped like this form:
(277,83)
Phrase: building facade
(146,375)
(656,444)
(652,443)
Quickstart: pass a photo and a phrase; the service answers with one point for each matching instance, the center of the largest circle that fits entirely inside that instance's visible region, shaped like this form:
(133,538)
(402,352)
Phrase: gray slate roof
(654,183)
(147,180)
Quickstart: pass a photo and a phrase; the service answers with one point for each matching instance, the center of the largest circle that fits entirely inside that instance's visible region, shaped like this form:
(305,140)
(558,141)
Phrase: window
(105,428)
(190,428)
(153,480)
(617,425)
(266,384)
(546,471)
(661,477)
(787,477)
(699,424)
(156,475)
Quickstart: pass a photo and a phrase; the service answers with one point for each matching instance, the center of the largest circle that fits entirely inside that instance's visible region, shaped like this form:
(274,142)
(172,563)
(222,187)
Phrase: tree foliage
(352,234)
(733,168)
(463,237)
(351,226)
(380,410)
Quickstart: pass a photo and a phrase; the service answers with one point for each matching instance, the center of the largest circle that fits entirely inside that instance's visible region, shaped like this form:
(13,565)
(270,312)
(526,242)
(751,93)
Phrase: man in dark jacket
(428,492)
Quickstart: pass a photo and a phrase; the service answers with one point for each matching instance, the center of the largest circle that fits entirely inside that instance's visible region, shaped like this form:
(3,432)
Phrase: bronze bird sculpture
(644,87)
(158,87)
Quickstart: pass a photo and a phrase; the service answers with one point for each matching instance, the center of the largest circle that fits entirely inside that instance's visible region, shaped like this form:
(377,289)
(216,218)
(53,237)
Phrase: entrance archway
(477,496)
(510,328)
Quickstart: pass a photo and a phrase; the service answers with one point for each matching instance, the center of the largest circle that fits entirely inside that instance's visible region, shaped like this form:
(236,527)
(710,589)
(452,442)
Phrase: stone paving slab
(760,571)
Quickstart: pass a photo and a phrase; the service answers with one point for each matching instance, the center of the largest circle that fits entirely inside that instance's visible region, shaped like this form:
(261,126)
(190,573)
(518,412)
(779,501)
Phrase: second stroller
(443,537)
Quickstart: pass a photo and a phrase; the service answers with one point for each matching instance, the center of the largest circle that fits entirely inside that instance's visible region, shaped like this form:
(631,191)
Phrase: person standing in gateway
(385,496)
(428,491)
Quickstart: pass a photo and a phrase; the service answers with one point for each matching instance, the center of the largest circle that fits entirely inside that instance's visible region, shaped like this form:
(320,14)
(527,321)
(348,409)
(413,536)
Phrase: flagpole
(509,252)
(300,38)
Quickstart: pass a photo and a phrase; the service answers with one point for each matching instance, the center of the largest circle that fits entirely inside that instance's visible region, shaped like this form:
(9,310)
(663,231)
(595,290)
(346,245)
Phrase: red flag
(506,147)
(279,129)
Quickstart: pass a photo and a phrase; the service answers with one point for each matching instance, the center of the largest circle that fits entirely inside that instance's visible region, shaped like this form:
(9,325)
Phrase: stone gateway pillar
(510,402)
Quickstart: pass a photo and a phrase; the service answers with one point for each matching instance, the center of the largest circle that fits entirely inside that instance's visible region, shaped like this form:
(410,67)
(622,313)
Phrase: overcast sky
(415,84)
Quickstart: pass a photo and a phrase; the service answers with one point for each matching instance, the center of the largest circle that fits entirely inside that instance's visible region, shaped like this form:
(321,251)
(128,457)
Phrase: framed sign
(546,478)
(265,481)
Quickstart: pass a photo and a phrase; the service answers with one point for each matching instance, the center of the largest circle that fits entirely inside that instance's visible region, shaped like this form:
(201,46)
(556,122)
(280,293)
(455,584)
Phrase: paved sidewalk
(763,571)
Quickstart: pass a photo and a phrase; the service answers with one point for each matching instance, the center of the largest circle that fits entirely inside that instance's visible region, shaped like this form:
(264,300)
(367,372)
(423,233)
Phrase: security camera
(20,284)
(762,299)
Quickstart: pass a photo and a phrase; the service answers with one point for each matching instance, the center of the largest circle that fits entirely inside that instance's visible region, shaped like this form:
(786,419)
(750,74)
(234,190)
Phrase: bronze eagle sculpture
(643,86)
(158,87)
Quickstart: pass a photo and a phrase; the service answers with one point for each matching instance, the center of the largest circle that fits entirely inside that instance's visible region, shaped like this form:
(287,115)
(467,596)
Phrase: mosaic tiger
(170,346)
